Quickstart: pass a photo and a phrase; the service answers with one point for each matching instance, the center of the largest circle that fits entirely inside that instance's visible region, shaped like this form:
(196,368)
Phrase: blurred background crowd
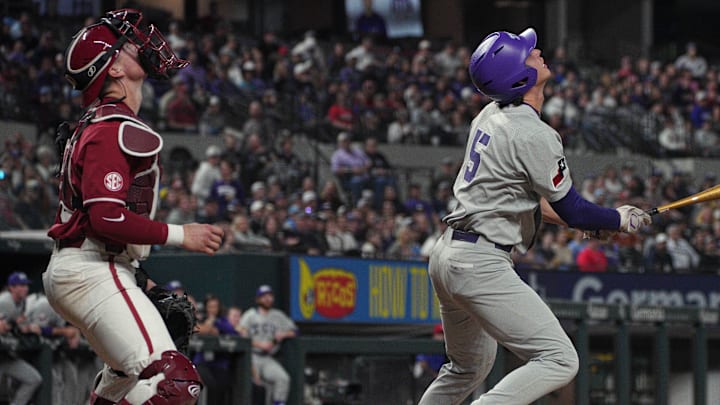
(258,94)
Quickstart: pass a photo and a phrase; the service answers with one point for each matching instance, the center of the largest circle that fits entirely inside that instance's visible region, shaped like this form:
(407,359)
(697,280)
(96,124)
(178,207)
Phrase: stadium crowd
(257,94)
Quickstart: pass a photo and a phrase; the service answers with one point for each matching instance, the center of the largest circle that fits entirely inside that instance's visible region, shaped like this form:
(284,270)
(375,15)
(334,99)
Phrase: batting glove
(632,218)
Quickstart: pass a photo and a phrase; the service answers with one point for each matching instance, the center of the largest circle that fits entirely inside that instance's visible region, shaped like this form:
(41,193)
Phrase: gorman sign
(324,289)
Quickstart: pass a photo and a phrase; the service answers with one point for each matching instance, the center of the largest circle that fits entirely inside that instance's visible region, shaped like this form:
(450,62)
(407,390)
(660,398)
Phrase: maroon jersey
(110,162)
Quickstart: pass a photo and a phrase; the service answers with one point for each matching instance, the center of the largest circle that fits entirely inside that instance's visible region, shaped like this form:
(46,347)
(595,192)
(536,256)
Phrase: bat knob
(652,211)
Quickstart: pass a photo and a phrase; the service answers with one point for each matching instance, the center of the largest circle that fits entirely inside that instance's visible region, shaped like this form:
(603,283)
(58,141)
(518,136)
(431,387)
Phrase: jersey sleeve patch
(138,140)
(559,175)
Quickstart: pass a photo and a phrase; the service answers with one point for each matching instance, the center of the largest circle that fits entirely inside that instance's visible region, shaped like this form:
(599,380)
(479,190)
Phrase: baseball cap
(263,289)
(257,186)
(661,238)
(173,285)
(343,136)
(17,278)
(257,205)
(308,196)
(213,150)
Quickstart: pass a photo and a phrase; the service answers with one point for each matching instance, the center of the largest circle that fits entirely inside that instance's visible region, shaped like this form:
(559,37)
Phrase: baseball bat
(710,194)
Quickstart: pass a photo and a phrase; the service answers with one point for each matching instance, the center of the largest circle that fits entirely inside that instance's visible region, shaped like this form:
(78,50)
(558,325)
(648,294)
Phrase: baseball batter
(514,175)
(108,194)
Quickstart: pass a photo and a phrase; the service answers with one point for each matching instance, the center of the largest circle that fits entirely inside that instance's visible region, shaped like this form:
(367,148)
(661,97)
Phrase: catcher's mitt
(177,312)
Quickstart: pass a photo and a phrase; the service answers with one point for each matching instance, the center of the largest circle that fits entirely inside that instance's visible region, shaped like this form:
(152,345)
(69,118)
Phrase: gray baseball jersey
(9,309)
(262,327)
(41,313)
(512,159)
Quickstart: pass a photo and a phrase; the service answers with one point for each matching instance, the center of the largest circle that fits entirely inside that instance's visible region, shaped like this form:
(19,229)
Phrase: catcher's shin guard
(174,379)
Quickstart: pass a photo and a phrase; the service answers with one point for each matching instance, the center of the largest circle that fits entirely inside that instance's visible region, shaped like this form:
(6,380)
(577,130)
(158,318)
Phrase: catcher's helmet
(498,69)
(94,48)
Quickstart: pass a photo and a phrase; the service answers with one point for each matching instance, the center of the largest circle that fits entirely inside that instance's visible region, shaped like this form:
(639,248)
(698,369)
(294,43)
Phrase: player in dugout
(108,194)
(514,176)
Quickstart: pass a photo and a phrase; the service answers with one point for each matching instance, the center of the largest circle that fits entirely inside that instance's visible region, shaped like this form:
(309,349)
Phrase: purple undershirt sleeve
(580,213)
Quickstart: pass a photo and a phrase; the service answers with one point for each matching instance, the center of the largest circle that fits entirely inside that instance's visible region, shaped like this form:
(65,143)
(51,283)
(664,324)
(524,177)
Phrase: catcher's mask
(94,48)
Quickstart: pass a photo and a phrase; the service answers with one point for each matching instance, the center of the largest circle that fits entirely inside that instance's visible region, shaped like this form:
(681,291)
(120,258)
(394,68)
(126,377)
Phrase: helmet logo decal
(113,181)
(194,390)
(91,71)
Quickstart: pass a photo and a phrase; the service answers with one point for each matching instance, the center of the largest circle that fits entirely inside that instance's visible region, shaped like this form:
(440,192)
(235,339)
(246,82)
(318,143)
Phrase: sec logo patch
(113,181)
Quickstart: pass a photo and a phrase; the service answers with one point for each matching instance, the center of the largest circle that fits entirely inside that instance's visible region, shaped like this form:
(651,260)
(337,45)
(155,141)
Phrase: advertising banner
(325,289)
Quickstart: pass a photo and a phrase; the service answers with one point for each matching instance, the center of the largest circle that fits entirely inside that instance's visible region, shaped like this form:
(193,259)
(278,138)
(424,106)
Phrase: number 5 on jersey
(479,143)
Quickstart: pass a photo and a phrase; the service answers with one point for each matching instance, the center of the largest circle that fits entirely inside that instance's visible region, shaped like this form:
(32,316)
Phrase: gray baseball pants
(29,378)
(274,375)
(483,301)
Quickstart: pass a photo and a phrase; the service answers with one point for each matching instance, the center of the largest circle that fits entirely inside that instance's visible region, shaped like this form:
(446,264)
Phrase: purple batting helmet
(498,69)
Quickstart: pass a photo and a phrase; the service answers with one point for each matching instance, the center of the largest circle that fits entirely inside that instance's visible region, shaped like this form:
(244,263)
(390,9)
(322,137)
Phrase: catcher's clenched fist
(202,238)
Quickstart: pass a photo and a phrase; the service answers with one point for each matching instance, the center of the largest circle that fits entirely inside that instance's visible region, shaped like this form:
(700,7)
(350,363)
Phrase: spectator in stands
(32,206)
(287,166)
(207,173)
(422,120)
(13,320)
(692,61)
(562,258)
(447,61)
(268,327)
(46,165)
(416,202)
(258,192)
(212,121)
(300,234)
(340,115)
(370,23)
(363,55)
(272,231)
(253,84)
(401,130)
(350,165)
(184,213)
(195,75)
(227,191)
(592,258)
(673,139)
(330,196)
(256,160)
(380,171)
(701,110)
(245,238)
(340,241)
(427,366)
(707,140)
(657,259)
(176,37)
(405,246)
(708,249)
(257,124)
(684,257)
(215,369)
(181,113)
